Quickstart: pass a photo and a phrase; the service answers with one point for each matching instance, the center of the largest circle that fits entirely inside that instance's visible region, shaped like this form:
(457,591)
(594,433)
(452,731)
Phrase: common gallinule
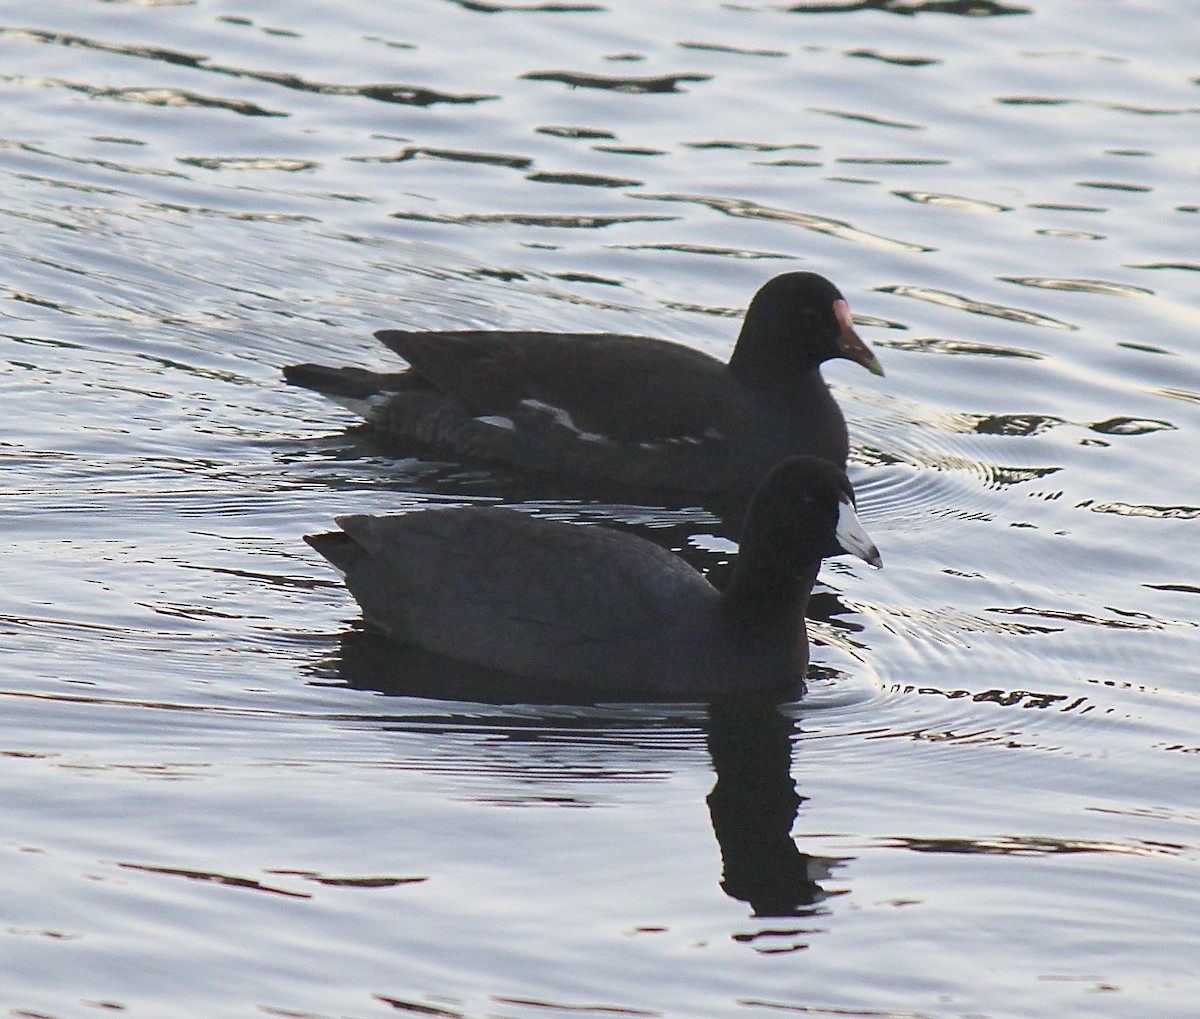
(628,409)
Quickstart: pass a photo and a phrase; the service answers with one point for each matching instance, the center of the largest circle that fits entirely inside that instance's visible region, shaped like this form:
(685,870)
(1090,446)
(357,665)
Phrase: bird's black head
(804,511)
(794,323)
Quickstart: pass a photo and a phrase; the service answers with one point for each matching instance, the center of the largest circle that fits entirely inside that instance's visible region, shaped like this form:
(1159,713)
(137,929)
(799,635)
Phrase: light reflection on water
(209,812)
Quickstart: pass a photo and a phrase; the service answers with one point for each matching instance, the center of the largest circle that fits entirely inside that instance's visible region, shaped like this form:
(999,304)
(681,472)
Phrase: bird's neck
(771,373)
(765,602)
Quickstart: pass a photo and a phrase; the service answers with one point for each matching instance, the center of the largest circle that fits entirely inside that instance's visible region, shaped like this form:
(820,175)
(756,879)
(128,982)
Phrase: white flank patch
(498,421)
(853,537)
(676,441)
(563,419)
(364,407)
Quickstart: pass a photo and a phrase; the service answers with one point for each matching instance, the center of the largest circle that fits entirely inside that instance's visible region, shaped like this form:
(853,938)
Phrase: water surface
(988,804)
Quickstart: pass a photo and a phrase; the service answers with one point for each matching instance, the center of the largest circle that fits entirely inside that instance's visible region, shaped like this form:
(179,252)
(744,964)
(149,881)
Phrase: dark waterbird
(601,612)
(631,410)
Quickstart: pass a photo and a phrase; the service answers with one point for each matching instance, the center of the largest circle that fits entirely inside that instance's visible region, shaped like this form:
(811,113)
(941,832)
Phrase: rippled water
(989,803)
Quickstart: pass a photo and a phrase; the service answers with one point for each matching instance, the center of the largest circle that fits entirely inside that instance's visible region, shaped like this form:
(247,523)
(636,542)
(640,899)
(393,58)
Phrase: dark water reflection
(753,807)
(753,804)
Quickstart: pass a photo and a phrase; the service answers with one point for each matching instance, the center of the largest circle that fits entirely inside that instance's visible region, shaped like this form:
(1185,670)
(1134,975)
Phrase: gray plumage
(600,610)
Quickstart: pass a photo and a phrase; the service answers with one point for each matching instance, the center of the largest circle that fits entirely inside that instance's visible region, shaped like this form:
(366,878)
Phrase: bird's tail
(347,383)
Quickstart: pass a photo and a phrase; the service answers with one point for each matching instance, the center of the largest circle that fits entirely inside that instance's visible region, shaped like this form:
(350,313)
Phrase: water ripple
(231,214)
(1184,266)
(248,163)
(553,220)
(104,164)
(412,152)
(704,249)
(1145,111)
(1186,395)
(953,717)
(630,150)
(538,7)
(868,118)
(1129,509)
(740,146)
(714,47)
(942,345)
(1131,426)
(1025,845)
(1113,185)
(951,201)
(630,84)
(1067,207)
(894,58)
(151,96)
(593,180)
(976,307)
(1075,235)
(221,879)
(568,131)
(894,160)
(1079,286)
(1121,619)
(743,208)
(908,499)
(965,8)
(939,469)
(387,92)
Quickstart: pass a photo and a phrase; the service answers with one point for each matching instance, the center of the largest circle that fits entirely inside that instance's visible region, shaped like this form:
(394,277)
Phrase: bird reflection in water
(753,804)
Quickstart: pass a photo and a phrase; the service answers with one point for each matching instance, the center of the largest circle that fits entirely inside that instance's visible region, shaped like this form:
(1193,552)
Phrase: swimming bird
(602,612)
(632,410)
